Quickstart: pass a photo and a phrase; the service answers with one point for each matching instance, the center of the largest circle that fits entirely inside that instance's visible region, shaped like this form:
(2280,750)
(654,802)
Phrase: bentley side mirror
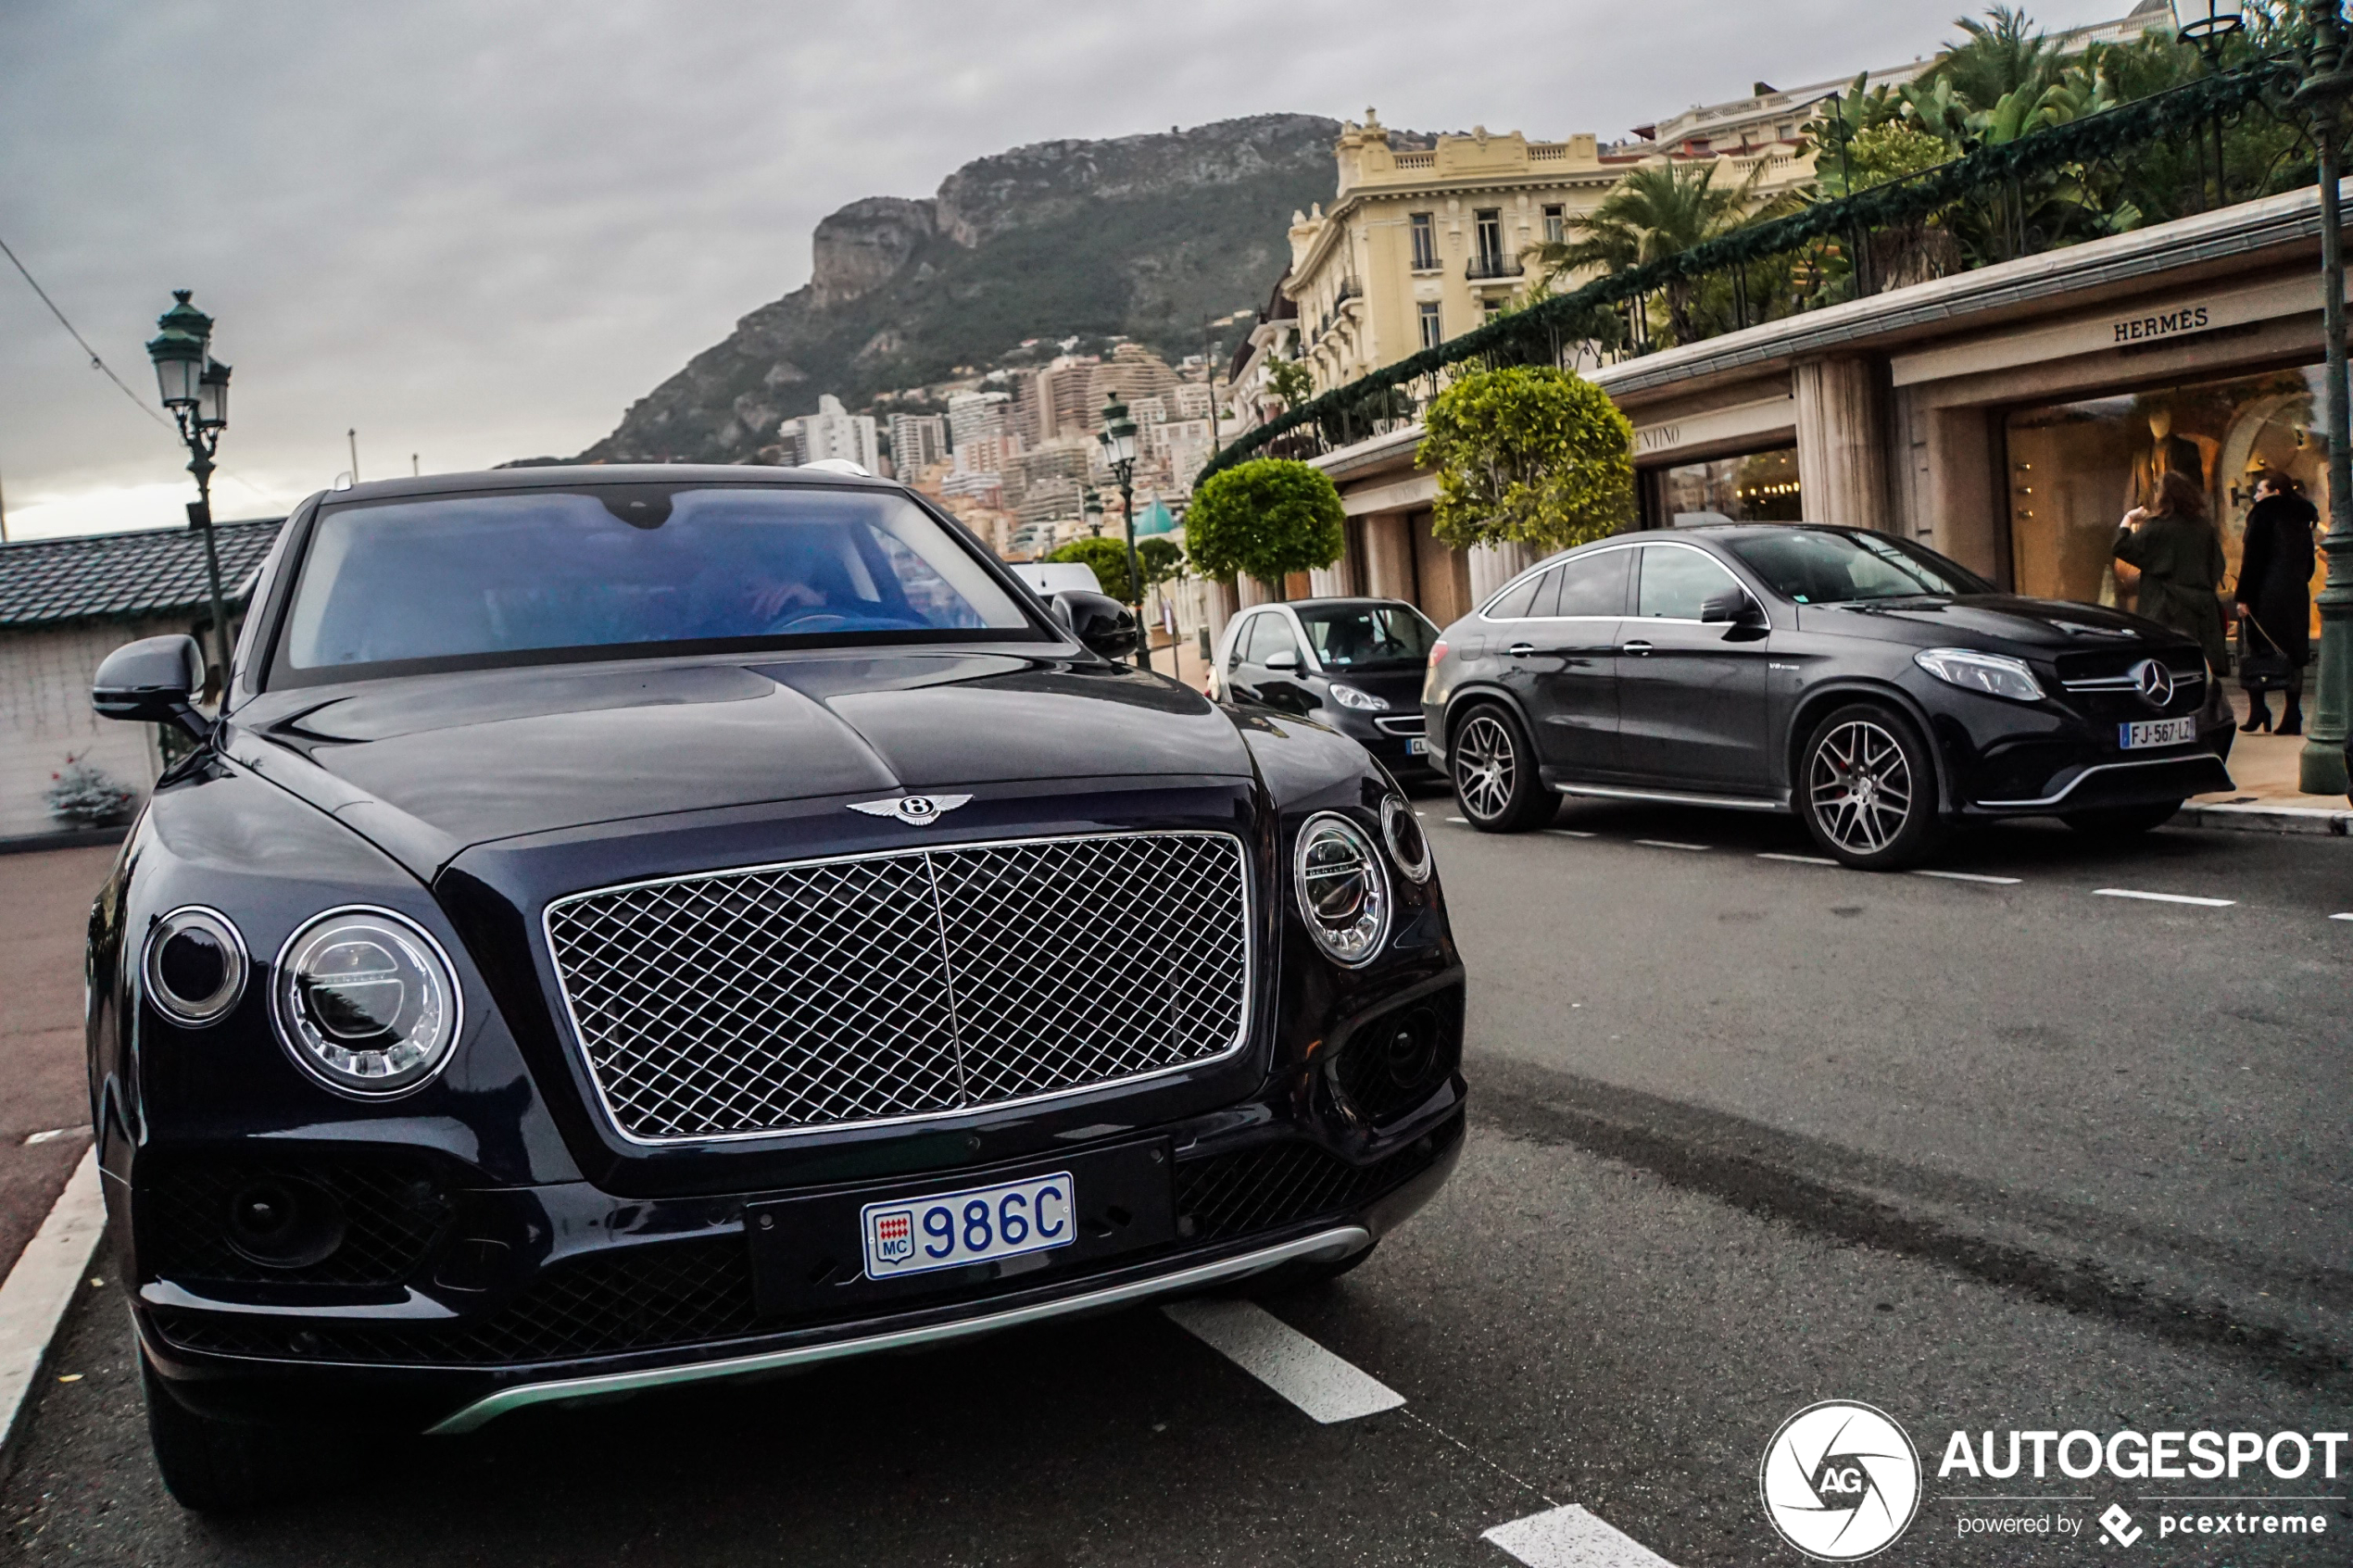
(1287,660)
(1732,606)
(157,680)
(1101,623)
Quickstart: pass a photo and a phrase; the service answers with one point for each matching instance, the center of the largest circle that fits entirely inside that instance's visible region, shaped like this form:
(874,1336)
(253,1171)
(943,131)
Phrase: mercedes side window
(1592,585)
(1678,582)
(1514,603)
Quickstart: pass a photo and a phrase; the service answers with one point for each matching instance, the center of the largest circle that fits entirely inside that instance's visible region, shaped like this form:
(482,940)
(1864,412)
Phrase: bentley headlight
(1407,844)
(366,1002)
(196,965)
(1343,891)
(1366,702)
(1992,673)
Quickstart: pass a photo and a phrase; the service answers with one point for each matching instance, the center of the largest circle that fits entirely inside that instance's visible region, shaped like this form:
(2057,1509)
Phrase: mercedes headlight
(1343,891)
(1364,702)
(366,1002)
(1992,673)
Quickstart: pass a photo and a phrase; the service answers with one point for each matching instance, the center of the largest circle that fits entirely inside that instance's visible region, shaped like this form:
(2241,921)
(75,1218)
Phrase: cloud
(476,232)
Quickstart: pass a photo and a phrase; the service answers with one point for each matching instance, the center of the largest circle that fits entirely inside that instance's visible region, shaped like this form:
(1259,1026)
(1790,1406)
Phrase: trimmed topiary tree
(1106,557)
(1529,453)
(1265,519)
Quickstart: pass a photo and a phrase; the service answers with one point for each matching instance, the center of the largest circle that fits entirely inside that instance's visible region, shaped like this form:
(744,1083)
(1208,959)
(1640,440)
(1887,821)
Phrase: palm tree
(1652,214)
(2001,56)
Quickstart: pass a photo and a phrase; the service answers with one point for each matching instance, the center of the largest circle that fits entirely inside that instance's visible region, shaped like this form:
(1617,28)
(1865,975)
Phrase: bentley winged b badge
(915,810)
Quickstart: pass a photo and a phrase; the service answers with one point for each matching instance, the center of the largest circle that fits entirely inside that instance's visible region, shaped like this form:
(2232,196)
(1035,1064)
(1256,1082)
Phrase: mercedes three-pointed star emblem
(915,810)
(2155,682)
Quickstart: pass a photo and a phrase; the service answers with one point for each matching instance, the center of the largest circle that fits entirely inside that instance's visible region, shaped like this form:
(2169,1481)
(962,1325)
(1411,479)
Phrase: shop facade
(2008,416)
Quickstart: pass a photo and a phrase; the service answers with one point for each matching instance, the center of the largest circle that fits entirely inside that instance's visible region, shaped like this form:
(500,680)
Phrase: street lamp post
(196,388)
(1118,442)
(2327,83)
(1093,507)
(2208,26)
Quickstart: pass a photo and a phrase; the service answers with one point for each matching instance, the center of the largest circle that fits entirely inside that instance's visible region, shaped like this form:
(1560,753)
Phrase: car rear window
(505,577)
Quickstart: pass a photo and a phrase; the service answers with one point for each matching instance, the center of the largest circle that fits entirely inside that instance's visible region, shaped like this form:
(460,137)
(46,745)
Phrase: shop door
(1690,694)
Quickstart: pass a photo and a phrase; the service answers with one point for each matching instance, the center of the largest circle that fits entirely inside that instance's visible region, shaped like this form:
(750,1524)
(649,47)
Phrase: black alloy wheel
(2121,821)
(1867,789)
(1494,772)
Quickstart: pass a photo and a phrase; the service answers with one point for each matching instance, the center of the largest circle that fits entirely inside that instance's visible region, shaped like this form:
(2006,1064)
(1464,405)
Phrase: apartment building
(834,432)
(917,440)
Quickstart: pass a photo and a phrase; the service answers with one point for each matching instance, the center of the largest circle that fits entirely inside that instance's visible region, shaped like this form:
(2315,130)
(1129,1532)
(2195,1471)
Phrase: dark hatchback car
(1875,688)
(637,925)
(1356,665)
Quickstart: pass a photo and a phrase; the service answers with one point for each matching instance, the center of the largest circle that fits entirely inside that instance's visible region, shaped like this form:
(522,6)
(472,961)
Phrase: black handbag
(2262,667)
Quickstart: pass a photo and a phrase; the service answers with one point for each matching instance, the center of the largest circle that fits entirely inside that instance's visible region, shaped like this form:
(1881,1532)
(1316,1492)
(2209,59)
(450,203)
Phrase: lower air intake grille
(1277,1184)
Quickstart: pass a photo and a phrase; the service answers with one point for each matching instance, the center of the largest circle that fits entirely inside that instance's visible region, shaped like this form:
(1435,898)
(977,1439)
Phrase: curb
(72,838)
(42,1285)
(2259,816)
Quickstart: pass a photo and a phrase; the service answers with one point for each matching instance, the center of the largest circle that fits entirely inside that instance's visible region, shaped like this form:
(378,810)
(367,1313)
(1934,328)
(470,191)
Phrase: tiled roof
(118,576)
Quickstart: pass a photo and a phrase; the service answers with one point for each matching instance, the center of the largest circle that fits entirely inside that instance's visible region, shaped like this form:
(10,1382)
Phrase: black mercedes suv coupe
(1875,688)
(628,926)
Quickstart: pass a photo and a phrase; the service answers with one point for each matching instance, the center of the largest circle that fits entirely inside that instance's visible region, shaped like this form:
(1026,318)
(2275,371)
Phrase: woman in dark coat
(2181,561)
(2274,594)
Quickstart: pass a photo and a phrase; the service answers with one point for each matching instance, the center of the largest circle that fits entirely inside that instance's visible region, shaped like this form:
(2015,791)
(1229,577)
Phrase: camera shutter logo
(1840,1480)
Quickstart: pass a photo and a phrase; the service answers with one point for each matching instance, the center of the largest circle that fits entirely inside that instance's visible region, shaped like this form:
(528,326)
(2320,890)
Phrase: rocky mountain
(1145,236)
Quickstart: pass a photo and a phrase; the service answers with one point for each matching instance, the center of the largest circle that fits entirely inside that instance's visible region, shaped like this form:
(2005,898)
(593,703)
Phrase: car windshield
(1378,636)
(1813,568)
(453,582)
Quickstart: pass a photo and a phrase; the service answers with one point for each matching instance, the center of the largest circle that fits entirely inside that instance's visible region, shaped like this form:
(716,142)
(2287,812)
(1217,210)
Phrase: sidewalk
(44,917)
(2267,800)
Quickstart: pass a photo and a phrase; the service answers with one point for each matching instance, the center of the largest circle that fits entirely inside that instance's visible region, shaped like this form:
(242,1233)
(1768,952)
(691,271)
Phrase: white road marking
(1571,1536)
(1570,833)
(1465,820)
(1972,876)
(2164,897)
(1671,843)
(1285,1360)
(54,1134)
(34,1300)
(1797,860)
(2347,915)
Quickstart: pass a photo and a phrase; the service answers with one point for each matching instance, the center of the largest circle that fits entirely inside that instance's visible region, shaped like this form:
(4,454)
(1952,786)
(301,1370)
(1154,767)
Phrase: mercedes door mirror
(155,680)
(1100,623)
(1287,660)
(1733,606)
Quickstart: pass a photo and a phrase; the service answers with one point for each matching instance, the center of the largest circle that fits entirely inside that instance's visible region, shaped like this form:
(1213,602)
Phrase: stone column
(1843,442)
(1388,557)
(1491,565)
(1328,582)
(1219,605)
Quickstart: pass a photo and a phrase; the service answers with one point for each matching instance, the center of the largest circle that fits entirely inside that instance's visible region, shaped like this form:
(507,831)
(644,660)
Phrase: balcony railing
(2142,162)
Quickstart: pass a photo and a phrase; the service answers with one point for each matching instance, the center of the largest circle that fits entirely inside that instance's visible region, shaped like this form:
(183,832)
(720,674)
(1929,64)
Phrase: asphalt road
(1749,1134)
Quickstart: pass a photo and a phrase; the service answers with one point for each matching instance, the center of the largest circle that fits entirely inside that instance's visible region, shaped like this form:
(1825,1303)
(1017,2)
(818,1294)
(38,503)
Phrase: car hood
(461,760)
(2050,626)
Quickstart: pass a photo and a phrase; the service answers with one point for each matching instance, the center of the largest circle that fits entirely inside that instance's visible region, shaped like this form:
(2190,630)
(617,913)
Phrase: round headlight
(1407,844)
(365,1002)
(196,965)
(1344,891)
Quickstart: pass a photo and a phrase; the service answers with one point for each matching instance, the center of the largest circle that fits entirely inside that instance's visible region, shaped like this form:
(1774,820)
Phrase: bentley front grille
(911,983)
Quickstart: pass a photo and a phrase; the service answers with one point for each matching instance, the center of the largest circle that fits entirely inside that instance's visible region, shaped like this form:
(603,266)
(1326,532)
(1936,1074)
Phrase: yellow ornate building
(1421,243)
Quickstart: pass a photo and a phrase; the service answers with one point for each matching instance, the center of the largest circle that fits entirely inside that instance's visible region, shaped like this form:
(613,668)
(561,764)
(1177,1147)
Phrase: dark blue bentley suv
(1868,685)
(628,926)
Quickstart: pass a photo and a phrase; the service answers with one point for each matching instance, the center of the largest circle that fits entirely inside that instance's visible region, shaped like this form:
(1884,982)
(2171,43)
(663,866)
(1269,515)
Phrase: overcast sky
(476,232)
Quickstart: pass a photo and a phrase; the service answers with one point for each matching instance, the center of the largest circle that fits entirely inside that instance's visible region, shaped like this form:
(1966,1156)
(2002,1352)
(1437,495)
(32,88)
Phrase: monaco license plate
(914,1236)
(1417,747)
(2155,731)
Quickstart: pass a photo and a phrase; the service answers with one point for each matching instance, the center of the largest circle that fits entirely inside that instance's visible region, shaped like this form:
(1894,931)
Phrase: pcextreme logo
(1841,1481)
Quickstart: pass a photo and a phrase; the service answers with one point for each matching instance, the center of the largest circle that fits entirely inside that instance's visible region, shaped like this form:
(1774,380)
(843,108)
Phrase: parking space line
(2347,915)
(1797,860)
(2164,897)
(1671,843)
(1571,1536)
(1570,833)
(1465,820)
(1972,876)
(1254,1339)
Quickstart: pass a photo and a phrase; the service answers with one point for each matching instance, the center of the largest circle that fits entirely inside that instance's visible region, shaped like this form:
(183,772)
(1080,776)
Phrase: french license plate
(2155,731)
(1417,747)
(914,1236)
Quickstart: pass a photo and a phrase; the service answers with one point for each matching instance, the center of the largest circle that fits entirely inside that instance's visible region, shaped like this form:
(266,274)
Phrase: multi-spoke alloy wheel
(1495,775)
(1869,797)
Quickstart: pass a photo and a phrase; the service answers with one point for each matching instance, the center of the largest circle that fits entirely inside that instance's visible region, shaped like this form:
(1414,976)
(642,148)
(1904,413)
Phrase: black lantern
(178,351)
(196,388)
(2207,23)
(212,396)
